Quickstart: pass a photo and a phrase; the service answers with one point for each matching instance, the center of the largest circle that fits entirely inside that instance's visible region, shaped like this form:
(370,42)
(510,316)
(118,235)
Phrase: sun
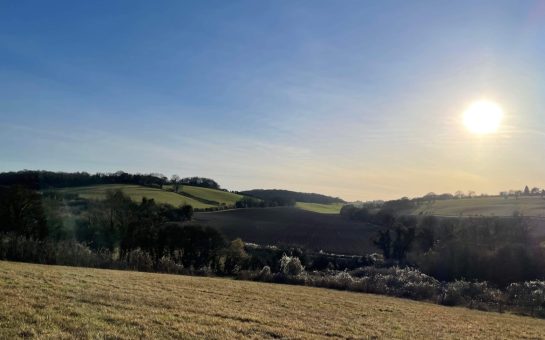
(483,117)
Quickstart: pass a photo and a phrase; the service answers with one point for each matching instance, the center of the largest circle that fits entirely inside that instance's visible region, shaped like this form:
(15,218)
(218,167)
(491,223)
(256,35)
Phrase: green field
(222,197)
(62,302)
(486,206)
(136,193)
(334,208)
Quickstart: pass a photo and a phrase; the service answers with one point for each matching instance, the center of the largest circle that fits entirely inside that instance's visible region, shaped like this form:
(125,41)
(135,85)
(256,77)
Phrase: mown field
(137,192)
(334,208)
(207,194)
(61,302)
(486,206)
(293,226)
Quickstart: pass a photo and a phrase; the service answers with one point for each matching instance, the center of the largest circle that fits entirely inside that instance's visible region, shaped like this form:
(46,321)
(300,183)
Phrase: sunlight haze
(360,100)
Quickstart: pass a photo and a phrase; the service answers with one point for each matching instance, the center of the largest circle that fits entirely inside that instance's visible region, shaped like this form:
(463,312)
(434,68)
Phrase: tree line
(493,249)
(40,180)
(286,197)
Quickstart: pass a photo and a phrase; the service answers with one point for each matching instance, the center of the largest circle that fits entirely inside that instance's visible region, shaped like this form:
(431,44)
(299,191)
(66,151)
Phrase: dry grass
(62,302)
(486,206)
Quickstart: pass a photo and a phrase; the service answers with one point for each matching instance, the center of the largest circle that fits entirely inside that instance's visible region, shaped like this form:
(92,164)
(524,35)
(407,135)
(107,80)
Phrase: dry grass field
(62,302)
(485,206)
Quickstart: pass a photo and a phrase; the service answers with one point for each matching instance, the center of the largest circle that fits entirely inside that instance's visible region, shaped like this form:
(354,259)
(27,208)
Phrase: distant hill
(136,193)
(293,196)
(293,226)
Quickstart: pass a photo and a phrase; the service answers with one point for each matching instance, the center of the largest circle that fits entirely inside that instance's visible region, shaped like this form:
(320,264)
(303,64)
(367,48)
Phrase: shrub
(139,260)
(167,265)
(265,274)
(291,265)
(530,294)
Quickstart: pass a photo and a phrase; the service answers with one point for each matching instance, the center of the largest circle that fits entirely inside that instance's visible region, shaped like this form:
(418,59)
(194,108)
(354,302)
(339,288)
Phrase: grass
(486,206)
(136,193)
(222,197)
(334,208)
(62,302)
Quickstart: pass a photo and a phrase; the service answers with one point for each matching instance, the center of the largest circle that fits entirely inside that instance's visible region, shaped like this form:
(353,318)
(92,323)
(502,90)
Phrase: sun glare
(483,117)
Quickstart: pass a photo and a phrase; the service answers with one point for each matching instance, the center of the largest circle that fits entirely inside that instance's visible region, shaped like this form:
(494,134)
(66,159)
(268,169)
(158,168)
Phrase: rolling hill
(212,196)
(198,197)
(65,302)
(135,192)
(486,206)
(293,226)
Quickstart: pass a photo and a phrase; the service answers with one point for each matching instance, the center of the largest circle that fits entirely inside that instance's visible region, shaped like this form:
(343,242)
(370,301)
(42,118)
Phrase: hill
(533,206)
(293,226)
(208,195)
(287,196)
(135,192)
(65,302)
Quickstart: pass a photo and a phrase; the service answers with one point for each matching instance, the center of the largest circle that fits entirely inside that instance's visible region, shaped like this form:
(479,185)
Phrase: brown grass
(62,302)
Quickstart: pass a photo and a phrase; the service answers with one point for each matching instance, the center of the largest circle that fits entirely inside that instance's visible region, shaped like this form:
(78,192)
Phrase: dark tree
(22,212)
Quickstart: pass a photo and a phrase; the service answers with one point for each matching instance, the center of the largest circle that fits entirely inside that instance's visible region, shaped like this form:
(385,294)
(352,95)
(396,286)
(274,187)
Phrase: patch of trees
(286,197)
(200,182)
(39,180)
(22,212)
(497,250)
(252,202)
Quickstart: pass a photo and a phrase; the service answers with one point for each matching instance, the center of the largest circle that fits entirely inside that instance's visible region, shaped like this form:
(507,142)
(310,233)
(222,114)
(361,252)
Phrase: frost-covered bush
(265,274)
(167,265)
(139,260)
(402,282)
(291,265)
(530,294)
(471,294)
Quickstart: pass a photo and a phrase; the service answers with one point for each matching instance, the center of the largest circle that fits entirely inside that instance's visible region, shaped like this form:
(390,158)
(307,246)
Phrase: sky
(357,99)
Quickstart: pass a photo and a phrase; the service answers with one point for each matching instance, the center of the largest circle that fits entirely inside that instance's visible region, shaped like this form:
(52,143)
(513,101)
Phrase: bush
(139,260)
(167,265)
(291,265)
(530,294)
(470,294)
(265,274)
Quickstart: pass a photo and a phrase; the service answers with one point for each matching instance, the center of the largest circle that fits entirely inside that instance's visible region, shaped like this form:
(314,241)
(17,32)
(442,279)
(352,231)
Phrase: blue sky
(360,99)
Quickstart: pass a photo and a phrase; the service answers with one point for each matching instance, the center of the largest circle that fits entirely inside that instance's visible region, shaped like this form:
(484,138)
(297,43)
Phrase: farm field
(64,302)
(293,226)
(220,196)
(334,208)
(486,206)
(136,193)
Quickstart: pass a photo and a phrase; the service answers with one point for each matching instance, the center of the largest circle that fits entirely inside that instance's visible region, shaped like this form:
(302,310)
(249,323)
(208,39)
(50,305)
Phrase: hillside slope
(136,193)
(293,226)
(486,206)
(63,302)
(212,195)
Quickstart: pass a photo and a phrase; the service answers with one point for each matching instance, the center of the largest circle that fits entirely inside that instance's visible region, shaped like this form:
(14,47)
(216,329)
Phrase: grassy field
(334,208)
(222,197)
(293,226)
(487,206)
(62,302)
(135,192)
